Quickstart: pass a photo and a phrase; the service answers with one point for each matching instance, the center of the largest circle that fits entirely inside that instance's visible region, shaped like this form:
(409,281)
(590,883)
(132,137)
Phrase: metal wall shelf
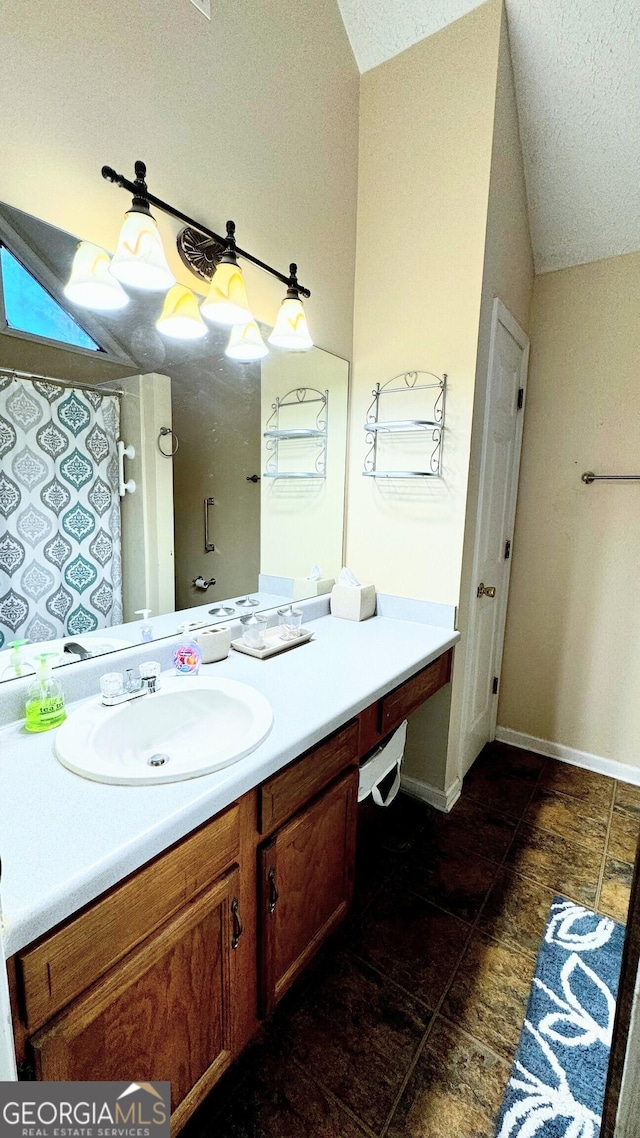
(432,424)
(275,433)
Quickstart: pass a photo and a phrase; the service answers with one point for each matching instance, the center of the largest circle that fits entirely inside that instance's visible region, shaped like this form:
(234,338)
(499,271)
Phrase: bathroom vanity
(167,973)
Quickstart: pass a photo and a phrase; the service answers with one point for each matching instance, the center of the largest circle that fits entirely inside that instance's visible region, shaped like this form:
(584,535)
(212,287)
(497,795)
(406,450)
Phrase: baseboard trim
(622,771)
(441,799)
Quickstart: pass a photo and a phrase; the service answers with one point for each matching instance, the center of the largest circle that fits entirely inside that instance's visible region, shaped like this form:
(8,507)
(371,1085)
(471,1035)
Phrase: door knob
(486,590)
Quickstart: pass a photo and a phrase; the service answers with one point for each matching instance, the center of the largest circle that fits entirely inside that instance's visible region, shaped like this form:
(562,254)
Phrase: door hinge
(26,1072)
(520,398)
(507,550)
(495,685)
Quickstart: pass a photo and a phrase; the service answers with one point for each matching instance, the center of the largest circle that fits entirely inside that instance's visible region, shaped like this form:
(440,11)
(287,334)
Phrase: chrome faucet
(116,690)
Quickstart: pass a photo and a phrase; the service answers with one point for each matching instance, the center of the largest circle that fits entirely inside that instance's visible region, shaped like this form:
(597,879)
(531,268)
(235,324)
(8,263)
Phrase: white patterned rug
(557,1081)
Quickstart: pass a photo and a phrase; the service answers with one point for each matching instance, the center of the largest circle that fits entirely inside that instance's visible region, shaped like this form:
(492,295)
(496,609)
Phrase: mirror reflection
(145,482)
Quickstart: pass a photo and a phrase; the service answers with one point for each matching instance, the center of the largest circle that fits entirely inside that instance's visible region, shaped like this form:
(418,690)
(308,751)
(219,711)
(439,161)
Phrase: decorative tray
(273,645)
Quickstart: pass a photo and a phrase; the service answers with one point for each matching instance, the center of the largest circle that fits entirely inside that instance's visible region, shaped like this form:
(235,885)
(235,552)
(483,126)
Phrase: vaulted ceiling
(577,75)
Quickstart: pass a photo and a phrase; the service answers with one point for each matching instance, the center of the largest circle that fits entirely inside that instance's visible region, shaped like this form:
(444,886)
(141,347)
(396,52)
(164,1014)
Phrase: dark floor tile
(517,912)
(374,866)
(623,837)
(357,1033)
(628,797)
(503,778)
(276,1099)
(488,996)
(455,1090)
(469,827)
(450,877)
(595,790)
(569,817)
(563,865)
(411,941)
(616,889)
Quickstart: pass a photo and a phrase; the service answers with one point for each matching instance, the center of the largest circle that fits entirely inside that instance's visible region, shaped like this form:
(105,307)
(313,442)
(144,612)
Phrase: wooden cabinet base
(166,975)
(306,884)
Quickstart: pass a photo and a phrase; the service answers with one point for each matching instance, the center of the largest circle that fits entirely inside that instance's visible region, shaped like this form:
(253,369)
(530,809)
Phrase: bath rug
(557,1081)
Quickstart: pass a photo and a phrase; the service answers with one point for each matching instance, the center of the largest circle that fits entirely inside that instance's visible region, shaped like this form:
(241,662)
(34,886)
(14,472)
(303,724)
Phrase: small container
(44,707)
(289,622)
(214,644)
(146,631)
(254,627)
(187,658)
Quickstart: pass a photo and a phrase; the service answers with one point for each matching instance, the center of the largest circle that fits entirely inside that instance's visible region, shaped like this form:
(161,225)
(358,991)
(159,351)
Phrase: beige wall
(572,655)
(426,124)
(302,521)
(508,273)
(442,230)
(252,115)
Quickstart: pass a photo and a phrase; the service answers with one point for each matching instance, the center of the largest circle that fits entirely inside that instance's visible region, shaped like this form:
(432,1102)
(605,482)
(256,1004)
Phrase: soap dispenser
(16,667)
(146,631)
(45,701)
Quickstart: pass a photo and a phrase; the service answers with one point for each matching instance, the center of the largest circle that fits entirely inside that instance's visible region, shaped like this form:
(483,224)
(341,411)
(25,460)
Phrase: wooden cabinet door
(164,1012)
(306,884)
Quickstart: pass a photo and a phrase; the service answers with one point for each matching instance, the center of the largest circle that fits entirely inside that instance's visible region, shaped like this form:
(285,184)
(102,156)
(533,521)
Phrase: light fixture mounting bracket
(199,253)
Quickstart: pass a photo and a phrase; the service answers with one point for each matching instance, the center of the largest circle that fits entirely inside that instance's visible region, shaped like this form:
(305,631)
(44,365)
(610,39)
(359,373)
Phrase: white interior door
(500,464)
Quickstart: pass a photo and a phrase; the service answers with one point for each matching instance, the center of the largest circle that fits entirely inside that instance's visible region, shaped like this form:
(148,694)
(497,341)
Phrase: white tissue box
(214,644)
(353,602)
(303,587)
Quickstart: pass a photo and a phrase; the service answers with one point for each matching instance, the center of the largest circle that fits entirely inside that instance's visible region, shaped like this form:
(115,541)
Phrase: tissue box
(353,602)
(303,587)
(214,644)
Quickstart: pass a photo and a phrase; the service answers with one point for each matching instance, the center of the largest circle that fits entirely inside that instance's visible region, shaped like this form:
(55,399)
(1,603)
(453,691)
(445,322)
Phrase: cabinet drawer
(61,966)
(287,791)
(400,703)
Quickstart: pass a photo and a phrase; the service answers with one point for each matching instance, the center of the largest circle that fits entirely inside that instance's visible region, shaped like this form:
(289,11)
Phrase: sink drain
(157,760)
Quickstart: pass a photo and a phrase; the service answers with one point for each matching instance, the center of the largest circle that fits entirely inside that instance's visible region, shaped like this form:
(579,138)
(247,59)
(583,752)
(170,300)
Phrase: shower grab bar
(588,477)
(209,546)
(125,452)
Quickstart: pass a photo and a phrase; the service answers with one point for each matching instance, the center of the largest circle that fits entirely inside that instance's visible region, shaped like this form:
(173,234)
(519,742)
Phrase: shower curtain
(60,552)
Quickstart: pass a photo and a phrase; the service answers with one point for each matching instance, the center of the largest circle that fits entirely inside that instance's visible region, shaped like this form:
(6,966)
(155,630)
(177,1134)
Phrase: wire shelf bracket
(316,433)
(432,425)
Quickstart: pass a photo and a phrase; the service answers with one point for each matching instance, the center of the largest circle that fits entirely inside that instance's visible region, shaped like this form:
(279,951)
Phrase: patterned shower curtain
(60,553)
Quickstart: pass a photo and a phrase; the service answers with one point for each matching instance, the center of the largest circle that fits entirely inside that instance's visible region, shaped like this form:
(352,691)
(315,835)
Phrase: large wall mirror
(239,468)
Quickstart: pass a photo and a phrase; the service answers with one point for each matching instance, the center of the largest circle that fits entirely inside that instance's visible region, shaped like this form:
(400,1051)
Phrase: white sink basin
(193,725)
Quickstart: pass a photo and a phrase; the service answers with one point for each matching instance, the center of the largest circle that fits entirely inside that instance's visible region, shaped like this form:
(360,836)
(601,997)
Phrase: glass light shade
(291,332)
(139,260)
(227,301)
(180,317)
(246,343)
(91,285)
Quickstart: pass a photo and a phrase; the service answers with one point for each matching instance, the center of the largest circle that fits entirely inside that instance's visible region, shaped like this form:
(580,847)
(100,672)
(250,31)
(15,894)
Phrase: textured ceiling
(577,73)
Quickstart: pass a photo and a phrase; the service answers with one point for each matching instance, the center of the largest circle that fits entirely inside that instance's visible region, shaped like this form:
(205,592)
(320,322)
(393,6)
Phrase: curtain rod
(17,374)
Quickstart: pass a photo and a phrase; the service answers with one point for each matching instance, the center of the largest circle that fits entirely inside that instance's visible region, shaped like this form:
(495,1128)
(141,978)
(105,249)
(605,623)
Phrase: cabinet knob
(273,890)
(237,923)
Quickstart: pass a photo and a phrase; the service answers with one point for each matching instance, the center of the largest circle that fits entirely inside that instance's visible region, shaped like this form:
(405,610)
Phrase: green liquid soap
(44,714)
(44,707)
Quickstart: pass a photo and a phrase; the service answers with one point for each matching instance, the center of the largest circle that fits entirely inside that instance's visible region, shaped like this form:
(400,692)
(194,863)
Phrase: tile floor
(406,1024)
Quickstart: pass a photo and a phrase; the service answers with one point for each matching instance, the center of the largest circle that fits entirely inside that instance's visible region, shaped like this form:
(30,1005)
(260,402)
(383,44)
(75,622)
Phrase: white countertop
(65,839)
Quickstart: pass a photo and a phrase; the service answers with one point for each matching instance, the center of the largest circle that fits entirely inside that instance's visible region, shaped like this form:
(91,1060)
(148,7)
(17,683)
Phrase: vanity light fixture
(246,343)
(227,300)
(180,317)
(291,332)
(91,284)
(139,261)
